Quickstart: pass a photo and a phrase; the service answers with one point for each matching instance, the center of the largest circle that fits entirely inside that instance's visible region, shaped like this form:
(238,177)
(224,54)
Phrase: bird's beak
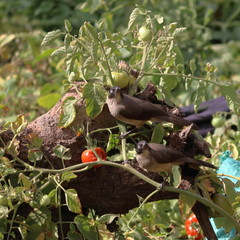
(111,95)
(138,150)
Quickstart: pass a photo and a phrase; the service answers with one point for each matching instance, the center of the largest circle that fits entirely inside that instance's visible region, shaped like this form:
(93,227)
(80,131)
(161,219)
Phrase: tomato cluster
(192,227)
(89,156)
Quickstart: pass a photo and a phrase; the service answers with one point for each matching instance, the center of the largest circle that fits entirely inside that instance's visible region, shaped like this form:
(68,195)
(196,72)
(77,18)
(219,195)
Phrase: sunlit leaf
(158,133)
(49,100)
(72,200)
(132,19)
(67,176)
(86,228)
(51,36)
(68,113)
(95,96)
(62,152)
(68,25)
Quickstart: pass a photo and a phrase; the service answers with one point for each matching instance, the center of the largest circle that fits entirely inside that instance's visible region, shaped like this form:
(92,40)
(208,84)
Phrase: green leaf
(86,228)
(67,176)
(224,222)
(72,200)
(91,30)
(95,96)
(68,25)
(68,113)
(62,152)
(107,218)
(53,197)
(199,95)
(132,19)
(51,36)
(48,88)
(67,41)
(176,176)
(18,125)
(232,97)
(113,141)
(44,54)
(186,203)
(229,189)
(158,133)
(59,52)
(193,66)
(34,155)
(49,100)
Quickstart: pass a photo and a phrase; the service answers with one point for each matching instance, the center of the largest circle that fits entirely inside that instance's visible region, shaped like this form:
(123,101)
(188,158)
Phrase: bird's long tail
(201,163)
(179,121)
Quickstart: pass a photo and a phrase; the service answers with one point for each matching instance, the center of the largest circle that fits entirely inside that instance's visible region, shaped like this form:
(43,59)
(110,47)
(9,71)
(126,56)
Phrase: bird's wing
(164,154)
(135,108)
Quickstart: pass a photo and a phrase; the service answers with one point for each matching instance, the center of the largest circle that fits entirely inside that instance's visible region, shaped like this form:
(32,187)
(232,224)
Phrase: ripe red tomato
(89,156)
(192,227)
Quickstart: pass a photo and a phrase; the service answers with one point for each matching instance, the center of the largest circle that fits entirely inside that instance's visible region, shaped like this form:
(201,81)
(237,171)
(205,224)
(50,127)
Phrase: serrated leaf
(95,96)
(193,66)
(86,228)
(51,36)
(18,125)
(232,98)
(72,200)
(67,176)
(49,100)
(68,25)
(67,41)
(58,52)
(158,133)
(132,19)
(34,155)
(186,203)
(62,152)
(91,30)
(68,113)
(199,94)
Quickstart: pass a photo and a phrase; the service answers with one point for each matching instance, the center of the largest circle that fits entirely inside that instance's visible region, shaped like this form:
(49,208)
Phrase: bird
(136,112)
(155,157)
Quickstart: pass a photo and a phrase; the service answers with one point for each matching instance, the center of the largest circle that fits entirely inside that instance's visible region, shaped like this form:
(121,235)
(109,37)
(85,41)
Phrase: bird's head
(142,146)
(115,92)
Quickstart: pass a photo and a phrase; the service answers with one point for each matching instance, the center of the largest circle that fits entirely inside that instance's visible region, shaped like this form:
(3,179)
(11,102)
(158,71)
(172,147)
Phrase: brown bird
(159,158)
(136,112)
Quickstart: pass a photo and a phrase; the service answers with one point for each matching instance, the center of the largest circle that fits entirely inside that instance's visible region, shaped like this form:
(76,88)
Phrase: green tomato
(120,79)
(144,34)
(222,202)
(218,121)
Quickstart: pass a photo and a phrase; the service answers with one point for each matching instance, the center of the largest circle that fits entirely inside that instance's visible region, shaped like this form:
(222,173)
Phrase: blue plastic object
(231,167)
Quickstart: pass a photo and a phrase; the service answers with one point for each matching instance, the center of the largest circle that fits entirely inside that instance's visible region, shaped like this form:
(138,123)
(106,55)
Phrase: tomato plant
(192,227)
(89,156)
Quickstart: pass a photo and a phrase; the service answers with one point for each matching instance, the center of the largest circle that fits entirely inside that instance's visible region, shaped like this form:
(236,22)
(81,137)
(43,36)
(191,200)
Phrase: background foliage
(31,73)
